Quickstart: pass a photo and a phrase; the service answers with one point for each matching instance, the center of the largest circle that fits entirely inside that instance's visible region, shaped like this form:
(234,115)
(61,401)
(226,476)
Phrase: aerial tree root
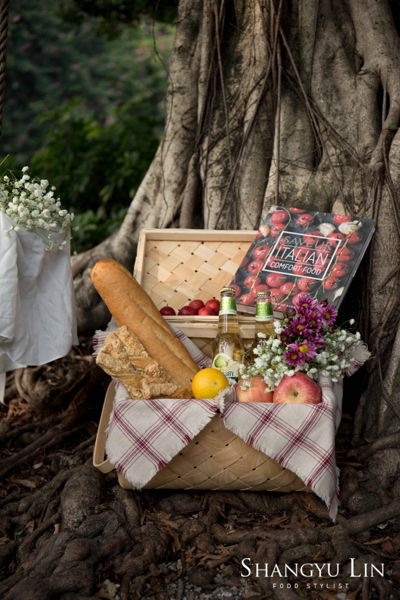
(87,530)
(76,534)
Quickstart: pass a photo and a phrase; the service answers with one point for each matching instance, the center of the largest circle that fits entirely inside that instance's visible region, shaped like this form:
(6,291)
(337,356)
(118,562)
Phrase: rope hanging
(3,47)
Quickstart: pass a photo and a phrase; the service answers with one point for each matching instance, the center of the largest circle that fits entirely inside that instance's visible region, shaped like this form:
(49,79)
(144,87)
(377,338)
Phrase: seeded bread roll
(131,306)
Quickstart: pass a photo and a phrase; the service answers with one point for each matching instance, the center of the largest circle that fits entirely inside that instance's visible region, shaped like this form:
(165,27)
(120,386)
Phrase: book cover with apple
(297,252)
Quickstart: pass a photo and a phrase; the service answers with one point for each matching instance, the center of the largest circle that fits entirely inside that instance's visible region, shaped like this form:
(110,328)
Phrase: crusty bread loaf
(131,306)
(118,287)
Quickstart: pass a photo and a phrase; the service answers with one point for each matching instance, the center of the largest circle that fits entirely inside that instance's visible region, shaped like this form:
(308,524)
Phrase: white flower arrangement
(305,341)
(29,203)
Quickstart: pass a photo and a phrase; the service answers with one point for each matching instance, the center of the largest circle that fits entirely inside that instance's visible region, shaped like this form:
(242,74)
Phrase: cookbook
(298,252)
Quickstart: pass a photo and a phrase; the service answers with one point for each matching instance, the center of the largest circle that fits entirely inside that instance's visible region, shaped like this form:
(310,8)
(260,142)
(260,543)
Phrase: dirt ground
(69,532)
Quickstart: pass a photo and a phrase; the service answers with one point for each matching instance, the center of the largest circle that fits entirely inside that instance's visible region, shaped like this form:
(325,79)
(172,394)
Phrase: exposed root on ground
(69,532)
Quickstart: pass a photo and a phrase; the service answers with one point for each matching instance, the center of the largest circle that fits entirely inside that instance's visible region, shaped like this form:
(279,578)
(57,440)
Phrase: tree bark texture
(291,103)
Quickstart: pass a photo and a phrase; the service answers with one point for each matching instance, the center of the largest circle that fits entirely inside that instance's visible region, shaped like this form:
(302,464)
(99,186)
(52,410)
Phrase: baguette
(131,306)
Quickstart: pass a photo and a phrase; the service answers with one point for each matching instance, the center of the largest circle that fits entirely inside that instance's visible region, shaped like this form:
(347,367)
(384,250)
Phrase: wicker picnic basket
(175,266)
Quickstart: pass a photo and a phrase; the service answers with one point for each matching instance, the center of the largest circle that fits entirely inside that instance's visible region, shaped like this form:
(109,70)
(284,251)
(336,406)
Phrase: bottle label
(265,318)
(228,366)
(228,306)
(263,310)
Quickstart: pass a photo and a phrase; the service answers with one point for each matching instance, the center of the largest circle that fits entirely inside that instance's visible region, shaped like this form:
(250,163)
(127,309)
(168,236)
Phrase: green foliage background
(85,89)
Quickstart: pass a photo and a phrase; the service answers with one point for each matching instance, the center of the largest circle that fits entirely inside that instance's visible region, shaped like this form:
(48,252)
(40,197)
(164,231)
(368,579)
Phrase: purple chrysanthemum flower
(318,340)
(328,313)
(306,303)
(298,325)
(293,356)
(307,349)
(285,335)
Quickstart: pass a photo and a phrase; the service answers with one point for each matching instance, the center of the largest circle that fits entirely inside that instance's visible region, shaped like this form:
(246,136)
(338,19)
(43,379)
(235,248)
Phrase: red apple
(251,281)
(354,238)
(336,236)
(275,280)
(277,296)
(254,267)
(255,393)
(187,311)
(213,305)
(282,306)
(279,216)
(298,389)
(206,312)
(345,254)
(167,311)
(305,284)
(297,210)
(196,304)
(288,288)
(276,230)
(304,220)
(248,298)
(261,251)
(342,219)
(331,283)
(340,269)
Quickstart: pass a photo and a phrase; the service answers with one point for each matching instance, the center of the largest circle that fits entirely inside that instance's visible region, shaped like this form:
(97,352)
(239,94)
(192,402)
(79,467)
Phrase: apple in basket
(298,389)
(254,393)
(167,311)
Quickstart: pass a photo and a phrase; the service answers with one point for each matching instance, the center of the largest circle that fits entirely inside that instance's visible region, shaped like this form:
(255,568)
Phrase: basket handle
(99,462)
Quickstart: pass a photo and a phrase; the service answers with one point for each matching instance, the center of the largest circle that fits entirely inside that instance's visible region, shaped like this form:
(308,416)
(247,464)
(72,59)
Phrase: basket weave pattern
(177,271)
(175,266)
(216,459)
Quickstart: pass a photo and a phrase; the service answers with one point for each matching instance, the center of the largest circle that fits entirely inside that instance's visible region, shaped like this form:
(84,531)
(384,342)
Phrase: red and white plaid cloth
(143,437)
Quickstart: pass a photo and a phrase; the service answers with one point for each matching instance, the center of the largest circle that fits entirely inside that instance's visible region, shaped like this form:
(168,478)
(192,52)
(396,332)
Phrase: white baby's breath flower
(29,205)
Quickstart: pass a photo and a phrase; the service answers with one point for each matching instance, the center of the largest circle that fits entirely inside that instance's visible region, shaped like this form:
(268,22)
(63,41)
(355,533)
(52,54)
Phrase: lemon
(207,383)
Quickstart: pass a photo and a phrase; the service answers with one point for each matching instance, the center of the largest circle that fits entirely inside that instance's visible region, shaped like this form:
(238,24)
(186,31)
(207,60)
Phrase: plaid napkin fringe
(143,437)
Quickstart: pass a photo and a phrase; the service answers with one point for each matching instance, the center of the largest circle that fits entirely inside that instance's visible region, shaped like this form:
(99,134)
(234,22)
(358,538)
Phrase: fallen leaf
(4,540)
(396,544)
(388,547)
(25,482)
(30,526)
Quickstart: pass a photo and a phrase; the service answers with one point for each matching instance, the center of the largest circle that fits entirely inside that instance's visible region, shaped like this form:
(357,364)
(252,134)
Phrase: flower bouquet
(306,341)
(30,204)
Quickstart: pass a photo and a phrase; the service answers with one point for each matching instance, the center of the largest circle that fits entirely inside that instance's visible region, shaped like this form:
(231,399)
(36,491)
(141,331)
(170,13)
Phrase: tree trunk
(291,103)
